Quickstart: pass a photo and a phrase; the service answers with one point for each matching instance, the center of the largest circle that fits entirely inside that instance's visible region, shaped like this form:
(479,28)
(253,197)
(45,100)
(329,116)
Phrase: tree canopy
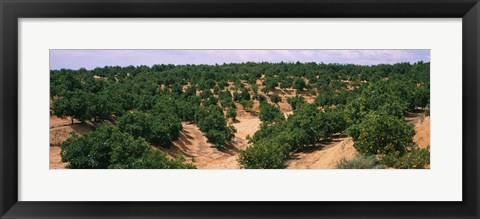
(147,105)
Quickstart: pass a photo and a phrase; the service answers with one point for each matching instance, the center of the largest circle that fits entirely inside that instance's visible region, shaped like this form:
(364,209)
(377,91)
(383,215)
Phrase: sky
(90,59)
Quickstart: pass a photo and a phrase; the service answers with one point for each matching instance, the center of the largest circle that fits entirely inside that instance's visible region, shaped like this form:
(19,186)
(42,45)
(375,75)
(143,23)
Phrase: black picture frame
(12,10)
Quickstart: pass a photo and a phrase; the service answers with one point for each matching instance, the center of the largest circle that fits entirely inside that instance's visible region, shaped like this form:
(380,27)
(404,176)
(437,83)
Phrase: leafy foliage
(160,129)
(72,104)
(265,155)
(417,158)
(247,104)
(359,162)
(270,113)
(109,148)
(299,84)
(211,121)
(149,103)
(158,160)
(275,98)
(382,134)
(296,101)
(232,114)
(331,121)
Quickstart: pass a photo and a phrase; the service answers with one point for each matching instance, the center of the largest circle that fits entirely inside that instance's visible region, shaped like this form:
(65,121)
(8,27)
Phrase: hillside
(241,115)
(193,145)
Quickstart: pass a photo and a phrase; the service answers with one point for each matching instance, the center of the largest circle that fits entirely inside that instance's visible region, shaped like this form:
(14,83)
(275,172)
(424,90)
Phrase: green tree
(330,122)
(160,129)
(104,148)
(73,104)
(232,114)
(100,107)
(210,120)
(270,113)
(379,133)
(416,158)
(275,98)
(269,84)
(303,126)
(247,104)
(265,155)
(296,101)
(260,97)
(299,84)
(109,148)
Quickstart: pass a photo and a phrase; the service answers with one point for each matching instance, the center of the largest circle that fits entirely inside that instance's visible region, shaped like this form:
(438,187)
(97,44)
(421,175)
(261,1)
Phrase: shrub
(379,133)
(73,104)
(269,84)
(359,162)
(303,125)
(260,97)
(270,113)
(267,130)
(417,158)
(326,98)
(165,128)
(101,107)
(296,101)
(299,84)
(109,148)
(330,122)
(247,104)
(226,99)
(159,129)
(243,95)
(157,159)
(265,155)
(210,120)
(375,97)
(186,109)
(275,98)
(232,114)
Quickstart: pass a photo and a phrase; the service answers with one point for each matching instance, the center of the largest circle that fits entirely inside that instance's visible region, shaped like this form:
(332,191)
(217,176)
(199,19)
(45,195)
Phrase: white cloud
(99,58)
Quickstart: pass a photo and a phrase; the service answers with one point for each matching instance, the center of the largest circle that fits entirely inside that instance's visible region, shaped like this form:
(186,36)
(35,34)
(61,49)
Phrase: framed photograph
(255,109)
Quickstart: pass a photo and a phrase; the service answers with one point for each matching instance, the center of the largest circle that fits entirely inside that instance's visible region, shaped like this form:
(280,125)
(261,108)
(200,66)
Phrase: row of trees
(110,148)
(300,76)
(277,138)
(372,113)
(149,103)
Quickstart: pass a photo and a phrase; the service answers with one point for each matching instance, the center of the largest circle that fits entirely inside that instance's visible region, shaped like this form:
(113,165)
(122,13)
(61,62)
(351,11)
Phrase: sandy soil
(57,122)
(61,130)
(56,159)
(422,128)
(422,135)
(192,143)
(194,147)
(246,126)
(62,133)
(324,156)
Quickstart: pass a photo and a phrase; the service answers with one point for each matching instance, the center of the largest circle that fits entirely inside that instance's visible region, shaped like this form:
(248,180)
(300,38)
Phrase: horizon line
(248,62)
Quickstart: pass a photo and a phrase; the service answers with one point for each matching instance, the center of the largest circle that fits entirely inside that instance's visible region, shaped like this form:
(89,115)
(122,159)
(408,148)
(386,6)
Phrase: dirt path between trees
(327,156)
(422,135)
(60,131)
(193,145)
(324,156)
